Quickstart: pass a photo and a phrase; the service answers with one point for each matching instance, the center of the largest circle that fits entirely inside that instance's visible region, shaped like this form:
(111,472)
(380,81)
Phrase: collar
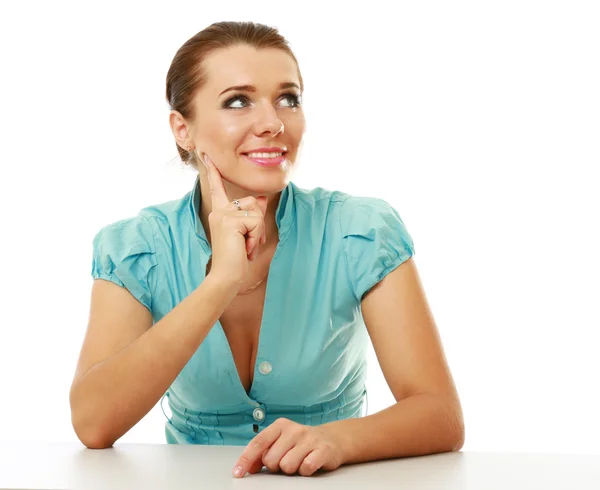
(284,214)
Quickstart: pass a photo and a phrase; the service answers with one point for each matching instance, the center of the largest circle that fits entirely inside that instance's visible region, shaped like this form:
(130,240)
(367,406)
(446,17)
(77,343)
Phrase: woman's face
(230,123)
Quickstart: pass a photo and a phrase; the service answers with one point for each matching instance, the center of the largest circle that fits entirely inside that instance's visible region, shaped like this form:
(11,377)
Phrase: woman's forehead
(244,65)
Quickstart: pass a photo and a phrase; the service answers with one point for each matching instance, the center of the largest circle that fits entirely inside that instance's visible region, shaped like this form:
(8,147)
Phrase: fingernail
(237,472)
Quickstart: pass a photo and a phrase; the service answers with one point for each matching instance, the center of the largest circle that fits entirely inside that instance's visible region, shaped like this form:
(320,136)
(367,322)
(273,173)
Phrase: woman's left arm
(427,417)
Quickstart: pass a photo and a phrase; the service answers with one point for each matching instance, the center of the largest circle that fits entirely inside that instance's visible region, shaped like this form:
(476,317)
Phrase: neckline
(264,325)
(284,218)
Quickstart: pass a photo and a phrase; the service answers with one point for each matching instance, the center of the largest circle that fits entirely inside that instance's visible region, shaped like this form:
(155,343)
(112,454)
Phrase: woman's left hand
(291,447)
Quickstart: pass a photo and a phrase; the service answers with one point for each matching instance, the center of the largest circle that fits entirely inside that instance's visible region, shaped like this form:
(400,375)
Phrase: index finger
(217,188)
(255,449)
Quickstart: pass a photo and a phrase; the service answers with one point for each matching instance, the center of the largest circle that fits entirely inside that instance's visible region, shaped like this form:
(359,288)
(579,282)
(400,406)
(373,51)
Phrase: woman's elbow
(91,437)
(91,433)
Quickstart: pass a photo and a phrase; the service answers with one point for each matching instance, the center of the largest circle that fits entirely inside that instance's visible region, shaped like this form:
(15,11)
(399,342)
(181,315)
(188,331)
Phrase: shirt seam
(306,200)
(346,267)
(155,251)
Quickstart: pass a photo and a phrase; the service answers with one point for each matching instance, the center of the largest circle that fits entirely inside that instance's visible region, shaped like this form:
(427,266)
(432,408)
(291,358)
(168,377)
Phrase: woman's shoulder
(151,217)
(167,211)
(126,232)
(316,194)
(343,204)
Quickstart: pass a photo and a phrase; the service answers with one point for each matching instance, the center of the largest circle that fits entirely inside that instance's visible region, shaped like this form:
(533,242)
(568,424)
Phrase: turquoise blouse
(311,360)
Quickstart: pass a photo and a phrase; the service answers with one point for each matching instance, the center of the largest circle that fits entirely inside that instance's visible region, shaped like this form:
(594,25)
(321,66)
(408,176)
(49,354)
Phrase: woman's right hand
(235,237)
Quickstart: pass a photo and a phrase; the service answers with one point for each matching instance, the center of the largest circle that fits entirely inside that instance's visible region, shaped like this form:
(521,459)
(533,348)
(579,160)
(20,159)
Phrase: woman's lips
(266,162)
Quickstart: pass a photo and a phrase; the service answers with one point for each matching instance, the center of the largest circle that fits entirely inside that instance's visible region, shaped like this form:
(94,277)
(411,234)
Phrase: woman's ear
(179,129)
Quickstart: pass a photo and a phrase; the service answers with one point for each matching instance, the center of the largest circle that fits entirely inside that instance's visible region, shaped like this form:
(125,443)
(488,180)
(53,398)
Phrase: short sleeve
(375,241)
(124,253)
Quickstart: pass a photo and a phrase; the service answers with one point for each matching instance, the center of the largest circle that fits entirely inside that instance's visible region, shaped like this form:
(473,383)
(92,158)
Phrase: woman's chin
(258,182)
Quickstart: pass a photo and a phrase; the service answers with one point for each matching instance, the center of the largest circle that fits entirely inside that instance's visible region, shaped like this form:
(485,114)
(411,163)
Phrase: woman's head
(225,124)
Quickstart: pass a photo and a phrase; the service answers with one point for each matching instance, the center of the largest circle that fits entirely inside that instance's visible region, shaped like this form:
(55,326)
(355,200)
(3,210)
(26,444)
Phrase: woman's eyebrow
(252,88)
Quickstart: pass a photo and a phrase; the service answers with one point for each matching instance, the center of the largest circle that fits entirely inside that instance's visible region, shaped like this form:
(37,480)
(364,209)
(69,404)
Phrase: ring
(237,203)
(246,212)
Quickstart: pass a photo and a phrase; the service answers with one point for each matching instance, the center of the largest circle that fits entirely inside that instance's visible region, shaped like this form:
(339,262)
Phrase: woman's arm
(427,417)
(125,366)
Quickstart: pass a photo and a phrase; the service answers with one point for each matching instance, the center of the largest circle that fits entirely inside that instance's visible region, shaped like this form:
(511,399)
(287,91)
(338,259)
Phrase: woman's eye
(293,101)
(234,99)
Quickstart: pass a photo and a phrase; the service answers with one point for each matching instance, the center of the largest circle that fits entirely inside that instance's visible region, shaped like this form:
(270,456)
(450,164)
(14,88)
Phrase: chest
(241,323)
(297,339)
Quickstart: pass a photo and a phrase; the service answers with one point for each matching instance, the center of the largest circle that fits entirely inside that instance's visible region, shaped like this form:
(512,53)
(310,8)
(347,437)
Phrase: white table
(161,466)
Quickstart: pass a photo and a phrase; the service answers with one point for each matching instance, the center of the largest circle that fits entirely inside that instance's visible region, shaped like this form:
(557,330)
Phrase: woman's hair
(186,74)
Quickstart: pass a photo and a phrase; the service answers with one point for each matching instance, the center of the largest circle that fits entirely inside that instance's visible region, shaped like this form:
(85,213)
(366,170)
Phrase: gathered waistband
(235,424)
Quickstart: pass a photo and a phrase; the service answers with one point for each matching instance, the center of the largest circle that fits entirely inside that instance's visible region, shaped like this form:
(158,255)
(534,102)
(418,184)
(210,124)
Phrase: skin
(427,416)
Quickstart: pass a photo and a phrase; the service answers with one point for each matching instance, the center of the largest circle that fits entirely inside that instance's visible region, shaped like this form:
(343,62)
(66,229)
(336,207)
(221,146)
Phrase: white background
(479,121)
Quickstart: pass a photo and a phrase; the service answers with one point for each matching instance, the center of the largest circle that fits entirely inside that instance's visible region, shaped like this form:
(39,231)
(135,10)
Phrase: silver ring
(237,203)
(246,212)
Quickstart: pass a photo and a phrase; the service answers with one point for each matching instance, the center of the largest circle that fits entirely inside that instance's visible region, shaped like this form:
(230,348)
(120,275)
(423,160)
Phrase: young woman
(248,302)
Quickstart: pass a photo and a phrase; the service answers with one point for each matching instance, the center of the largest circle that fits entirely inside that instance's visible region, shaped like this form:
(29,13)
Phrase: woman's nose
(267,120)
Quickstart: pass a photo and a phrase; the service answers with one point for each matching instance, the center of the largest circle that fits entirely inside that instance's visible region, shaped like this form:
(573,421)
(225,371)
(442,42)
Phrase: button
(259,414)
(265,367)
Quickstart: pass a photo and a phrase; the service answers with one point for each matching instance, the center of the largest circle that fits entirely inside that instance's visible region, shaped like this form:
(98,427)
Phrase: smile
(266,159)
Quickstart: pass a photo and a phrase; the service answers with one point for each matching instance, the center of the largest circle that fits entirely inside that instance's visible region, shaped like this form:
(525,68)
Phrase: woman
(245,302)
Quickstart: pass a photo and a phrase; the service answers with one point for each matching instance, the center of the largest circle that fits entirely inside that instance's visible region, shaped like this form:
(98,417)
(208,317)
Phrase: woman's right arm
(125,366)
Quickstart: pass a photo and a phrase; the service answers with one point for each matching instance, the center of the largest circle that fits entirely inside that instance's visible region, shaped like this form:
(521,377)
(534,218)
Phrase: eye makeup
(296,100)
